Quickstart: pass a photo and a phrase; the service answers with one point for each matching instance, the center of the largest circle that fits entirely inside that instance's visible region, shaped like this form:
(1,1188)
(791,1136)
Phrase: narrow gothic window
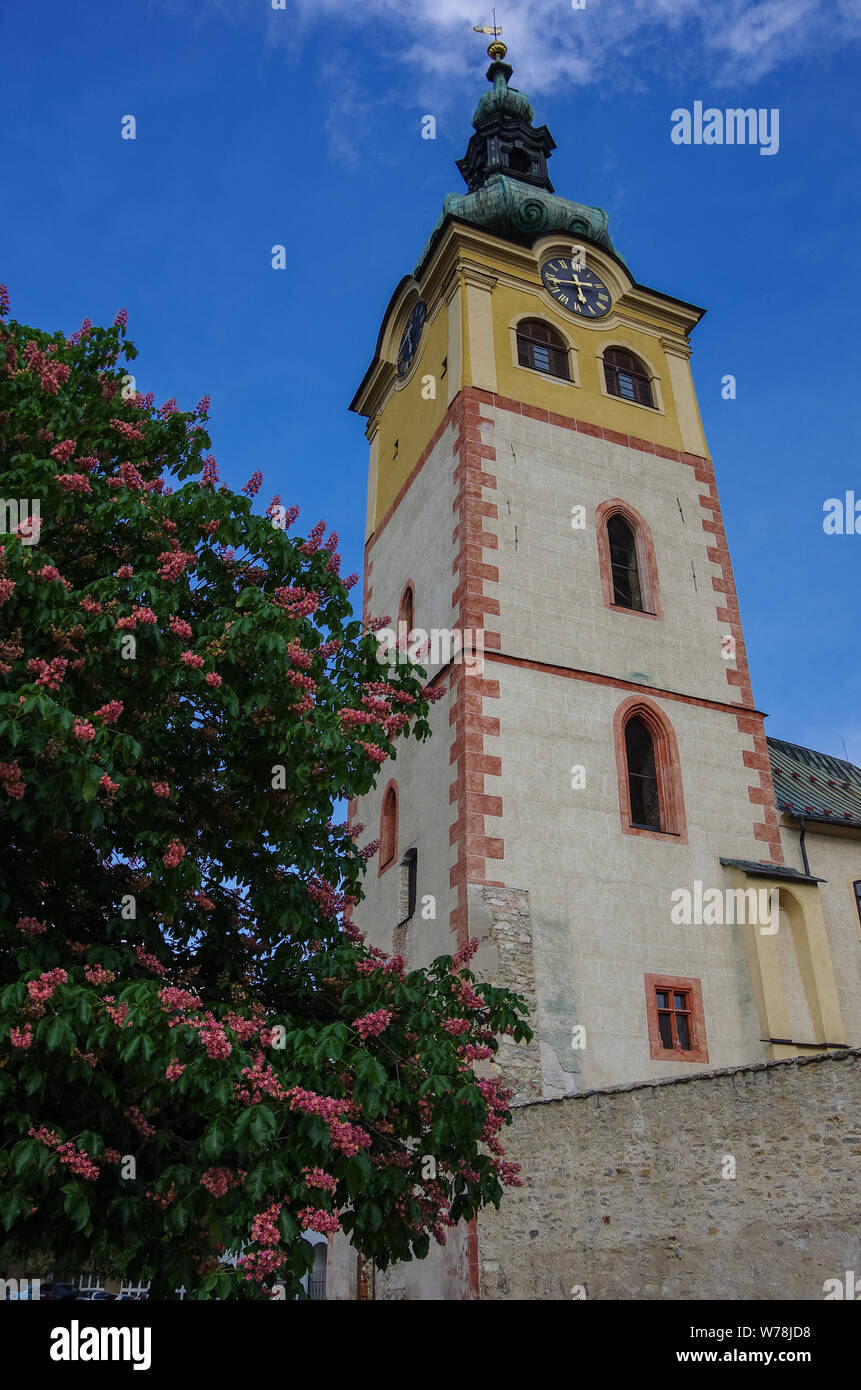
(406,617)
(642,776)
(627,591)
(539,346)
(857,887)
(627,377)
(389,827)
(409,876)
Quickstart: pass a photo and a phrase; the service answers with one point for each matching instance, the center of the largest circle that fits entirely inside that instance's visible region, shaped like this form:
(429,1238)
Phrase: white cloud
(609,41)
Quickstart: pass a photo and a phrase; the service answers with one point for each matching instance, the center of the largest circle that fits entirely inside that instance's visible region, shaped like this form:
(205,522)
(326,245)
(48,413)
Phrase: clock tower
(543,516)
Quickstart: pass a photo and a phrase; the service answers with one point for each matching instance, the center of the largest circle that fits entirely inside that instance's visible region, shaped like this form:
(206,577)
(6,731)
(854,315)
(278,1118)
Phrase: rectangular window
(676,1019)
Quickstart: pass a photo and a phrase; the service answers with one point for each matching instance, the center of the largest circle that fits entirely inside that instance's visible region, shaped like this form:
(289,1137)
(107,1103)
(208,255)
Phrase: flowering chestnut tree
(200,1057)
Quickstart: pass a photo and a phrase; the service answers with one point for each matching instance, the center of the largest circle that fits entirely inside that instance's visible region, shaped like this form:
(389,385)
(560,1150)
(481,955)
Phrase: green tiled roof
(815,785)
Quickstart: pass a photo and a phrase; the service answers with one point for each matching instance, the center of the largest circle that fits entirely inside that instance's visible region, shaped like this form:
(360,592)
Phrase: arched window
(626,552)
(642,776)
(539,346)
(627,376)
(623,564)
(518,161)
(389,827)
(651,800)
(406,615)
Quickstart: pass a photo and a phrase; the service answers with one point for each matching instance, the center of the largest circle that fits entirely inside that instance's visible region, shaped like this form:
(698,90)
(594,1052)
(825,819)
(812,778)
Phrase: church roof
(505,170)
(815,785)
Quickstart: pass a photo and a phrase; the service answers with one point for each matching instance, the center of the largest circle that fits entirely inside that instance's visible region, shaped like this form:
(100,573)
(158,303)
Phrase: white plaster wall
(601,899)
(549,588)
(417,544)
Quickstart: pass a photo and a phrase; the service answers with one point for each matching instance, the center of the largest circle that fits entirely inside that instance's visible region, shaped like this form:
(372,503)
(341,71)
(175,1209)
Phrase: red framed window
(626,556)
(676,1018)
(388,827)
(406,615)
(651,796)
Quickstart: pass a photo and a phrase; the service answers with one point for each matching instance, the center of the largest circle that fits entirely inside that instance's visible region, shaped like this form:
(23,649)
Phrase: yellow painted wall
(412,420)
(586,402)
(409,419)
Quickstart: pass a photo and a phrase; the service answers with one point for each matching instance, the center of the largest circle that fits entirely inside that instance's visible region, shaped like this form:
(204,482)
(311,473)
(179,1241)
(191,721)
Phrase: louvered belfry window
(539,346)
(626,376)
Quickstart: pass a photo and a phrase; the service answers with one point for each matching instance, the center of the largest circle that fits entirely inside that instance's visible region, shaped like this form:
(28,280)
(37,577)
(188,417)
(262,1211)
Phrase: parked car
(93,1295)
(59,1293)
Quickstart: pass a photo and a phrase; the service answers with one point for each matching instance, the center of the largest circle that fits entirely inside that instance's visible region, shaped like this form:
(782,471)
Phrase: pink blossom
(192,660)
(173,999)
(7,589)
(108,786)
(124,572)
(41,990)
(97,975)
(210,472)
(252,487)
(63,452)
(371,1025)
(136,1117)
(374,752)
(30,925)
(110,712)
(180,628)
(175,1070)
(74,482)
(315,1177)
(313,1219)
(161,789)
(21,1037)
(84,731)
(48,572)
(175,854)
(122,318)
(213,679)
(126,430)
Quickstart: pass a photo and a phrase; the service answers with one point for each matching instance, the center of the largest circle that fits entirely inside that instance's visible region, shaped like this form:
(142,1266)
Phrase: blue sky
(301,126)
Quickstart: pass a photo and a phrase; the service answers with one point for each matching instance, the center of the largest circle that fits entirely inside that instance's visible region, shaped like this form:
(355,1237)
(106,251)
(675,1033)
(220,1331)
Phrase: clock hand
(585,284)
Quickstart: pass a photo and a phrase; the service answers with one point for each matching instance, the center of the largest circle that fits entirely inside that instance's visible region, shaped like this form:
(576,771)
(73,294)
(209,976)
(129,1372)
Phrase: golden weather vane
(495,48)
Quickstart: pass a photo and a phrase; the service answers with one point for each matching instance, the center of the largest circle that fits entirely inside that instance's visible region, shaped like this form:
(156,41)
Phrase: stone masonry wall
(623,1194)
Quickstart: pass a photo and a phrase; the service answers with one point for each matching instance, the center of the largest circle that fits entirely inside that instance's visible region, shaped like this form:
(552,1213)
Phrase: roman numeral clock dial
(577,289)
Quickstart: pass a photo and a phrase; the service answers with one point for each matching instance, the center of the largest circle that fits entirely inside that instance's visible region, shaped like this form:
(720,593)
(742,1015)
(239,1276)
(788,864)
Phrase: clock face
(580,291)
(412,337)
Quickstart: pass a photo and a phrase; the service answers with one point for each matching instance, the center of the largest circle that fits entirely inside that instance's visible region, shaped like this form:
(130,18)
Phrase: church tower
(543,509)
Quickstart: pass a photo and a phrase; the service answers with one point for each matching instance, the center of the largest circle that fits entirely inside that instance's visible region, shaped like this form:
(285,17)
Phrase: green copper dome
(502,98)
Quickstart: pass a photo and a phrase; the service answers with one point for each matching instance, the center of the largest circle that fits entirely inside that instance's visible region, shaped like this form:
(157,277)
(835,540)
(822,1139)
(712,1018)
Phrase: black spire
(505,140)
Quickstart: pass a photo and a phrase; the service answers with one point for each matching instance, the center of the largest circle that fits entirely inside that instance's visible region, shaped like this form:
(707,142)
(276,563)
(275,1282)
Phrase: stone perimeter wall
(623,1195)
